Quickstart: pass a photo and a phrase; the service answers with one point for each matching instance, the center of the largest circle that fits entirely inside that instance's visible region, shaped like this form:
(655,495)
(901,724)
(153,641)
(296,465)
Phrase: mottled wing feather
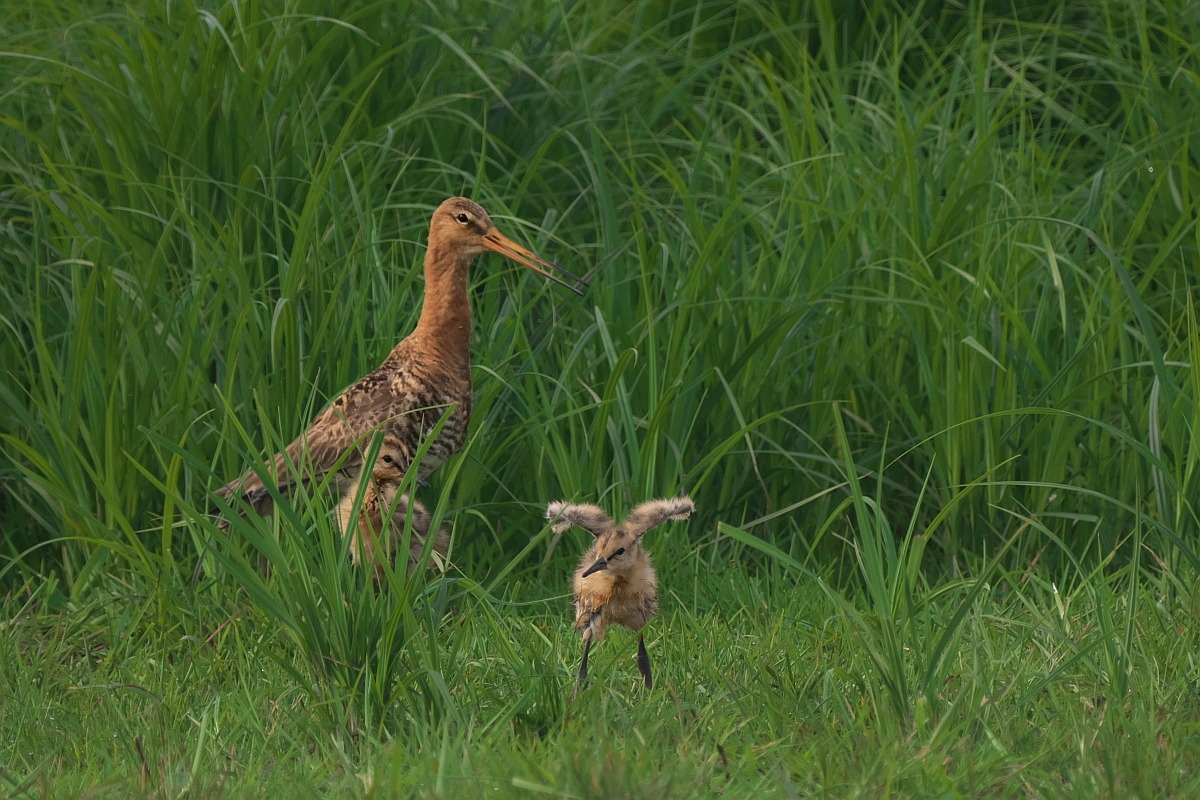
(346,424)
(404,398)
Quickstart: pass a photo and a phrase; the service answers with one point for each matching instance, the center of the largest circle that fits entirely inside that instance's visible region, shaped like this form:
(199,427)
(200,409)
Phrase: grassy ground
(904,299)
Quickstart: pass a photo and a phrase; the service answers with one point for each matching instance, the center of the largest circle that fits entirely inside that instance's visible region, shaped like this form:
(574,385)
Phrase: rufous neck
(445,322)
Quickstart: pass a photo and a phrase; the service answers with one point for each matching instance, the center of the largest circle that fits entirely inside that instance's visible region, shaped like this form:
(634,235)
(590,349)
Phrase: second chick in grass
(615,583)
(384,481)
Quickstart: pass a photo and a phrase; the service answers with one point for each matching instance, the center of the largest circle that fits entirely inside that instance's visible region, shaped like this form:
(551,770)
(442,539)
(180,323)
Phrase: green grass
(905,299)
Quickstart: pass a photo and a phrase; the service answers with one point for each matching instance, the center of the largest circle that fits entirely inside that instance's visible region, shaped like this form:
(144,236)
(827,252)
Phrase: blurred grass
(951,246)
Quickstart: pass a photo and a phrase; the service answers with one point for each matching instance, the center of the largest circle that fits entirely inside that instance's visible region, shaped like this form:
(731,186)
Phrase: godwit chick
(427,372)
(374,522)
(615,582)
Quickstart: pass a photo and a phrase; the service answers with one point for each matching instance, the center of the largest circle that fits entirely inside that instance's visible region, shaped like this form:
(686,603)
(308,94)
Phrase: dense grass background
(904,298)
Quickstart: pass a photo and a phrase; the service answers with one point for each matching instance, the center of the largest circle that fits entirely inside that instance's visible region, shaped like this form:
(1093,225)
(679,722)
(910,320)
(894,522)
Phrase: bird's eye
(387,459)
(622,550)
(463,218)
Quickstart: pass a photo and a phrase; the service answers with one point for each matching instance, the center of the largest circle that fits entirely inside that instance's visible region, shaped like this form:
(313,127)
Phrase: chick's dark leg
(644,663)
(587,646)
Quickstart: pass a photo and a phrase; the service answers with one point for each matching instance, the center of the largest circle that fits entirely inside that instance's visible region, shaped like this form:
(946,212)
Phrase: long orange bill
(497,242)
(599,565)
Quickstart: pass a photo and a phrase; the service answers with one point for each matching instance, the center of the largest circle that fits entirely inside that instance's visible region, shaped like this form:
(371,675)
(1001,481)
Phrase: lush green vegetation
(906,300)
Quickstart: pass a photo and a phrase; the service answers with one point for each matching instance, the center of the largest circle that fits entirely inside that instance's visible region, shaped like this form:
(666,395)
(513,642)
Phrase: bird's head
(617,552)
(389,465)
(462,226)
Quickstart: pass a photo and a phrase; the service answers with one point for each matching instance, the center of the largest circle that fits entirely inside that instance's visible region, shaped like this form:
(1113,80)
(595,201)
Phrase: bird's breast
(426,383)
(450,438)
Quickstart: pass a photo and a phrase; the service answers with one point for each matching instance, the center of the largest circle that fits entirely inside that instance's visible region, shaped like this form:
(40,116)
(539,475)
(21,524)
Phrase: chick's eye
(463,218)
(622,550)
(387,459)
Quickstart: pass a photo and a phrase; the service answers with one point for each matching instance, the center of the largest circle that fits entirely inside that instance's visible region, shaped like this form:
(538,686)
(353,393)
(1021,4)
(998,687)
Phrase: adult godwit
(427,372)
